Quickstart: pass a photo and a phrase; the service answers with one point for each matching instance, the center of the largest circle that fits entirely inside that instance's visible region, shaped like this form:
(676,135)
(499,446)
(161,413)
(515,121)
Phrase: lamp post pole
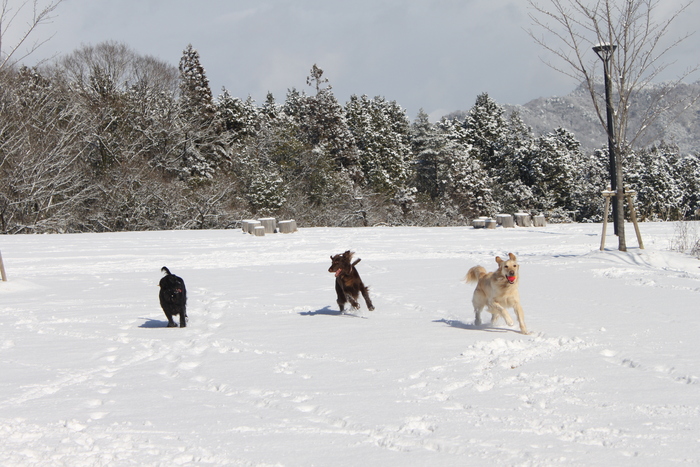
(605,51)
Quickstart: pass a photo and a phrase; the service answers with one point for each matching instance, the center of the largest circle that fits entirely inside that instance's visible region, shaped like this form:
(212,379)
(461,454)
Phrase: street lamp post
(605,52)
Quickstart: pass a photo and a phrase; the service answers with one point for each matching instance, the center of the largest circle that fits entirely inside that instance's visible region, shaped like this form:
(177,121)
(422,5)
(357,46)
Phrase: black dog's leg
(368,301)
(171,323)
(341,295)
(183,317)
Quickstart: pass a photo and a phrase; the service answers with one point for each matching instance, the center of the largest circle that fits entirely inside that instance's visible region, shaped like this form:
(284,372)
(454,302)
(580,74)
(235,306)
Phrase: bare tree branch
(9,16)
(568,29)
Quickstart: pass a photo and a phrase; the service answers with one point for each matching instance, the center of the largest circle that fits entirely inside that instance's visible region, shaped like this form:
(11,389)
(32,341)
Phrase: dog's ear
(511,256)
(499,260)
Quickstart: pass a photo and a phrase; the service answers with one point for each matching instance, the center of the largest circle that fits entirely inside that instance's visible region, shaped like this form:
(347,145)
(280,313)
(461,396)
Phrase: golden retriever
(497,291)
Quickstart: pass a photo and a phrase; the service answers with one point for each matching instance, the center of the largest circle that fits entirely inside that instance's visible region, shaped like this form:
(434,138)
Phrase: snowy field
(268,373)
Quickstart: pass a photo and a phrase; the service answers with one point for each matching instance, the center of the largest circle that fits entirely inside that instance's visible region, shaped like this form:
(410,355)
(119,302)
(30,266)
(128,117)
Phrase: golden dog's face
(508,268)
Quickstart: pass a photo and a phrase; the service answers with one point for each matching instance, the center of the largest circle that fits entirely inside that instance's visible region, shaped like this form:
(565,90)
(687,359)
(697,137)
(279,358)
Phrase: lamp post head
(604,51)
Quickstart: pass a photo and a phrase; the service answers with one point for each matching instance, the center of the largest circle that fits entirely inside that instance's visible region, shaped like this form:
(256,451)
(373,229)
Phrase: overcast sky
(432,54)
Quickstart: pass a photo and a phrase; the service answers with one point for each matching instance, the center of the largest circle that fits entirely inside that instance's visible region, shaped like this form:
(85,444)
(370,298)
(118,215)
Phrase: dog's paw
(370,308)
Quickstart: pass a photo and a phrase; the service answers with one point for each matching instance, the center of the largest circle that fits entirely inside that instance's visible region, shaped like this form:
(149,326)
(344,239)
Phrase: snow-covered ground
(269,373)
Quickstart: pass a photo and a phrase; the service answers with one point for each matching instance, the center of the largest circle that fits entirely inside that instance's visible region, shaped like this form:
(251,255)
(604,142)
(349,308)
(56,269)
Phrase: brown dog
(497,291)
(348,284)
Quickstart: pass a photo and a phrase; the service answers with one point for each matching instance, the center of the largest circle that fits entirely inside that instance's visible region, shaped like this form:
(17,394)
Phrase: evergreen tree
(201,151)
(382,133)
(266,192)
(548,168)
(653,175)
(270,110)
(237,118)
(196,101)
(510,191)
(687,171)
(426,145)
(590,178)
(486,130)
(466,184)
(321,120)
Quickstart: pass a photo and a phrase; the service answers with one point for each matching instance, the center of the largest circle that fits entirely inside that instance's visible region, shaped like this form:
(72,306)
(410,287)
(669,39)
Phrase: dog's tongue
(337,273)
(511,279)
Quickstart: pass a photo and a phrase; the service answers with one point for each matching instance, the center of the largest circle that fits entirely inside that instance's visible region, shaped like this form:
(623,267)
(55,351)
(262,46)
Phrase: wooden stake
(605,220)
(2,269)
(633,216)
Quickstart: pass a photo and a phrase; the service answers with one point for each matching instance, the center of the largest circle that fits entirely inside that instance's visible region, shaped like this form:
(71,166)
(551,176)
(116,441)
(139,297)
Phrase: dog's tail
(474,274)
(165,270)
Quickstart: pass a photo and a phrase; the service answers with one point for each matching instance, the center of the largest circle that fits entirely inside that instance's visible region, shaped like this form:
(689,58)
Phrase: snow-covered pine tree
(486,129)
(196,101)
(687,171)
(237,118)
(510,192)
(321,120)
(549,168)
(484,136)
(201,151)
(382,133)
(589,179)
(266,192)
(426,145)
(652,174)
(270,110)
(315,149)
(465,183)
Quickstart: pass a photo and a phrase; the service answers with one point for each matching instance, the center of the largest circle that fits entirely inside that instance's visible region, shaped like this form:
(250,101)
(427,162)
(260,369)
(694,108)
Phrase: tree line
(106,139)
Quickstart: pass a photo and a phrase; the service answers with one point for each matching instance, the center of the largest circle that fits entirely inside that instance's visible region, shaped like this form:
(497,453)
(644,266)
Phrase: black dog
(173,298)
(348,284)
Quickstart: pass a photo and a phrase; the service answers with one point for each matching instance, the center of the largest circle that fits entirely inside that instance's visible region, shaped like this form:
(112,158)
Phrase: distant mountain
(575,112)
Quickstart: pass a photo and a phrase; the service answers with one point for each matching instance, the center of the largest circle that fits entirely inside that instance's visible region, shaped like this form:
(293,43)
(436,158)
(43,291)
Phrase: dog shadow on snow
(154,323)
(327,311)
(471,326)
